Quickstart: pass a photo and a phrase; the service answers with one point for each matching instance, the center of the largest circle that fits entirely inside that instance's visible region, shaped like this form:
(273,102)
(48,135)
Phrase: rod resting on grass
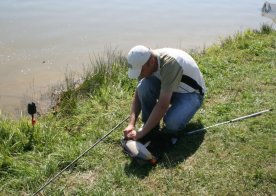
(101,139)
(229,121)
(86,151)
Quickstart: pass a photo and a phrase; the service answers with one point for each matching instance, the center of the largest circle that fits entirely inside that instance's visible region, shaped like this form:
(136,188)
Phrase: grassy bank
(235,159)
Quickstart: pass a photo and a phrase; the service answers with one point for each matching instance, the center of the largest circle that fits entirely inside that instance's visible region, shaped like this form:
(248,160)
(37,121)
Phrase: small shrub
(266,29)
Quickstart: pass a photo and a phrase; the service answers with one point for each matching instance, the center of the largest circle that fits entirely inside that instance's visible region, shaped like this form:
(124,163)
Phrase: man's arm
(156,115)
(135,111)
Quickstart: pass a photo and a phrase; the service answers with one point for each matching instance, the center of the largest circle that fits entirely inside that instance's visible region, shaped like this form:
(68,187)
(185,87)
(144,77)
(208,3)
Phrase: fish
(138,151)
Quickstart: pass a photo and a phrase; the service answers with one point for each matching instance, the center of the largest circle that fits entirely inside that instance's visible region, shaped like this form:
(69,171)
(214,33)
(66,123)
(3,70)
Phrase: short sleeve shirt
(170,72)
(173,65)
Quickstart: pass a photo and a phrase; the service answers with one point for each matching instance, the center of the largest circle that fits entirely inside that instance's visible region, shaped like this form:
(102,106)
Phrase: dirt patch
(80,179)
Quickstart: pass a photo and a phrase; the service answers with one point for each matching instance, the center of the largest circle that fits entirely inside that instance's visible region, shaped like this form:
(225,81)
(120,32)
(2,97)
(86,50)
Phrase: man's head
(141,62)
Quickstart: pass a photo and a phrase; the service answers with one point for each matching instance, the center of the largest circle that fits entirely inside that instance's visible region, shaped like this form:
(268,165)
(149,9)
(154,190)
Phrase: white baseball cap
(137,57)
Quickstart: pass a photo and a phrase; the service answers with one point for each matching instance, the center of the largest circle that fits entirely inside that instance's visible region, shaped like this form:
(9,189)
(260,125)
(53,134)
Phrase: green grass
(233,159)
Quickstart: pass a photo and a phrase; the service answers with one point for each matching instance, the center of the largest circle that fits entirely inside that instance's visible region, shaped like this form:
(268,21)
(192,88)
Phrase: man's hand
(134,135)
(128,129)
(130,133)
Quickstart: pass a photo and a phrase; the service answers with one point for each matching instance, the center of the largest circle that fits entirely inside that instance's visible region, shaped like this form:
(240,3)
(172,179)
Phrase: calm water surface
(40,40)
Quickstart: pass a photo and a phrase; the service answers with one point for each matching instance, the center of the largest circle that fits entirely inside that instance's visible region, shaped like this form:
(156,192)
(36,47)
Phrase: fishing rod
(229,121)
(101,139)
(86,151)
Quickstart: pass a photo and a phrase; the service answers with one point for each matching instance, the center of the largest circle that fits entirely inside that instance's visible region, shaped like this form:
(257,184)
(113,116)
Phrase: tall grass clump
(266,29)
(104,71)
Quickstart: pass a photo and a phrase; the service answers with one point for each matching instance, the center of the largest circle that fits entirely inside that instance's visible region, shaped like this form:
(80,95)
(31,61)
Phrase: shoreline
(44,97)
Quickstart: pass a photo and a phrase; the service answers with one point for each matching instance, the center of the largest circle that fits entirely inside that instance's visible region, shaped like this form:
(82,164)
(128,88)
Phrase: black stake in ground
(31,111)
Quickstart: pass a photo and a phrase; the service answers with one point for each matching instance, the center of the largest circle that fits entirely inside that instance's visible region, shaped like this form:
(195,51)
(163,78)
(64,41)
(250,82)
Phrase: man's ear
(151,61)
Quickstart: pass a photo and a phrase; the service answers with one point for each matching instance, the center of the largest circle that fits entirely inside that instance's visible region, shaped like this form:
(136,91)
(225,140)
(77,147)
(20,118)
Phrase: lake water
(40,40)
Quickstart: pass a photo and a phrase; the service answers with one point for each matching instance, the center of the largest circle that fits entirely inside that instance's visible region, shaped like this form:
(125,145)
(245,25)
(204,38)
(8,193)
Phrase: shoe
(174,140)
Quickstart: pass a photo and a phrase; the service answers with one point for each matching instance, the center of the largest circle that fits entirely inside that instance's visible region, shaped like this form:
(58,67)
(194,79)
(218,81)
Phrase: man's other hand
(128,129)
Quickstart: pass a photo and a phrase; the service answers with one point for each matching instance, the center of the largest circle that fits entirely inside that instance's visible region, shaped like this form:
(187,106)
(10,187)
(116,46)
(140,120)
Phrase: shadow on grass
(140,171)
(185,147)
